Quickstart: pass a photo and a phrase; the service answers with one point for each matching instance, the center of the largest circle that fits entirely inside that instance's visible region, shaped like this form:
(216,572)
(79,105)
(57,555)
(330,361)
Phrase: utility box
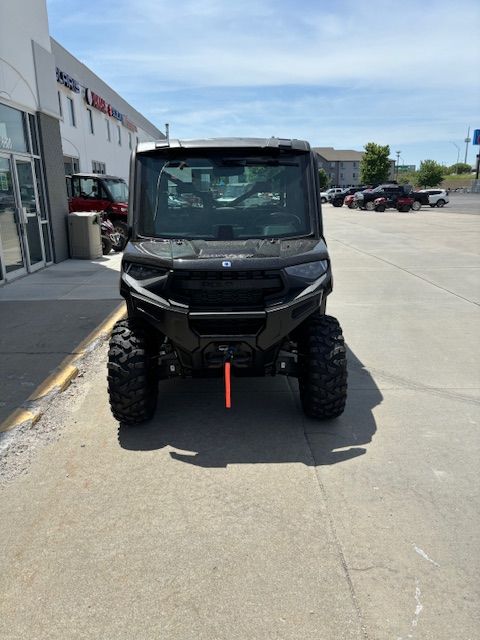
(85,235)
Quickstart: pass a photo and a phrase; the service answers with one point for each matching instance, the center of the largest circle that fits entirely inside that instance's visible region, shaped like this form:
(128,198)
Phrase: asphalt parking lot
(259,523)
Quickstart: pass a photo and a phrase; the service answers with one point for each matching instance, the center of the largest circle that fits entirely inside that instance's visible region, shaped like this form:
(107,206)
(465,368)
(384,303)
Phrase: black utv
(226,272)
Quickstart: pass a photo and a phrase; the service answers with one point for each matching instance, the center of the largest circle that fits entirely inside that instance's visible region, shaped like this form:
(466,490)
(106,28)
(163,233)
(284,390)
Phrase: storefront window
(13,132)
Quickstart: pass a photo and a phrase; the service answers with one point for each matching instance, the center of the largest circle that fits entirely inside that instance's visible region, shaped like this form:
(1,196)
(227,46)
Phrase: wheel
(416,206)
(432,205)
(324,200)
(121,235)
(370,206)
(132,373)
(322,367)
(337,203)
(404,209)
(381,207)
(440,203)
(106,245)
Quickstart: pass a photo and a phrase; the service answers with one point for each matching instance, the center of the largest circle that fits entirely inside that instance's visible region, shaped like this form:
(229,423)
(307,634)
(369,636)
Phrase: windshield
(118,189)
(223,197)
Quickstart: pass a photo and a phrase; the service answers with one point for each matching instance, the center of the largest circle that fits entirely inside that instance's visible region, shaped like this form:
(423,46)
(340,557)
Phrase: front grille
(227,326)
(226,290)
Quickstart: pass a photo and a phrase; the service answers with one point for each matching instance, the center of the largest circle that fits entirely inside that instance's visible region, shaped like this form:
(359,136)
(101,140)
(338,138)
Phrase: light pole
(398,161)
(467,140)
(458,153)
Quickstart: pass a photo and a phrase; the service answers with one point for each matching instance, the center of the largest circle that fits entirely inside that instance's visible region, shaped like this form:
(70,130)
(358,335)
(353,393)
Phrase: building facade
(52,111)
(98,127)
(342,166)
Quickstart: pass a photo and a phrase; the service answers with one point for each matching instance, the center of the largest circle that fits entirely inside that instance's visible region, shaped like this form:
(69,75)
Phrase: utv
(218,284)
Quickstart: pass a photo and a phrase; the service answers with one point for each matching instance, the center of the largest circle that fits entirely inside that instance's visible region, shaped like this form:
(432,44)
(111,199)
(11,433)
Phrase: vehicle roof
(96,175)
(226,143)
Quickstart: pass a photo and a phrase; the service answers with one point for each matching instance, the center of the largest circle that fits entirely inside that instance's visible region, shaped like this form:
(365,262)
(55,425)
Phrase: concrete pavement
(258,523)
(43,318)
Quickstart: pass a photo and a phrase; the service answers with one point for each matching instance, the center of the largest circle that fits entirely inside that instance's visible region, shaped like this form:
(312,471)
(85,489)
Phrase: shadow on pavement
(265,424)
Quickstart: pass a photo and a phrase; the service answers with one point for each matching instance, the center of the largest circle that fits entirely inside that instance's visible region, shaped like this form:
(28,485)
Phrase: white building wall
(21,21)
(77,140)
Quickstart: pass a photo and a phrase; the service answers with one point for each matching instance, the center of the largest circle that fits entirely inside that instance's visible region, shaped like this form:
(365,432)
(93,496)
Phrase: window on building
(13,130)
(354,165)
(341,176)
(119,135)
(98,167)
(60,109)
(109,137)
(71,165)
(354,175)
(71,112)
(129,140)
(332,165)
(90,121)
(341,165)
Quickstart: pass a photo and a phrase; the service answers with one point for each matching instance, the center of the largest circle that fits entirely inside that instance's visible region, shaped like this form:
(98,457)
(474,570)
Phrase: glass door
(12,254)
(29,214)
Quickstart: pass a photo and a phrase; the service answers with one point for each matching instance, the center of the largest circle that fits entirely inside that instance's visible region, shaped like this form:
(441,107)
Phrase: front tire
(416,206)
(323,200)
(121,233)
(440,203)
(322,368)
(132,373)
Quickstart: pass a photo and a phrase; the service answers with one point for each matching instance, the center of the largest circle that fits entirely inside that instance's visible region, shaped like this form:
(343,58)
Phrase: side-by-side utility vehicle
(225,286)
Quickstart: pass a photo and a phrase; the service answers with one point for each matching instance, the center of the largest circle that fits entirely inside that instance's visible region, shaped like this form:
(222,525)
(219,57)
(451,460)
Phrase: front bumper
(198,335)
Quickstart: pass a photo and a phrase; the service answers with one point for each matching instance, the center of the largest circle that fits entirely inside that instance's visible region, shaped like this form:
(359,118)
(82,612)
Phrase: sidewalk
(44,316)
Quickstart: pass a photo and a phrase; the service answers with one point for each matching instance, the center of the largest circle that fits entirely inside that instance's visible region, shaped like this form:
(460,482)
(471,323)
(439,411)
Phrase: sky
(338,73)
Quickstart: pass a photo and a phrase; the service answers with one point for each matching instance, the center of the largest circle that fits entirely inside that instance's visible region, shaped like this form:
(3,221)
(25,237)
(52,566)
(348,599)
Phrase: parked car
(97,192)
(326,196)
(436,197)
(338,199)
(391,192)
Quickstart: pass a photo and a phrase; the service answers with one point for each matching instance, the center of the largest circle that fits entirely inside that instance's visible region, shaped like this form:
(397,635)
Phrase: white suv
(437,197)
(328,195)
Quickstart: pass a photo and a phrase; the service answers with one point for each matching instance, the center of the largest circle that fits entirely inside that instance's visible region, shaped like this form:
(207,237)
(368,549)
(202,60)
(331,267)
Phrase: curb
(35,405)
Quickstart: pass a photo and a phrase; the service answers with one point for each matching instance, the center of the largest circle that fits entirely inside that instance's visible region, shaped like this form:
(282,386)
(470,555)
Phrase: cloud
(338,73)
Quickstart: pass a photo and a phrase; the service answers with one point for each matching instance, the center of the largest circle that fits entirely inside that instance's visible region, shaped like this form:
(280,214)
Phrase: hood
(214,250)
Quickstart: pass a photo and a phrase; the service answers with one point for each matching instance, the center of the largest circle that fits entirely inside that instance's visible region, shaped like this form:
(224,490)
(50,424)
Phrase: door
(12,251)
(29,214)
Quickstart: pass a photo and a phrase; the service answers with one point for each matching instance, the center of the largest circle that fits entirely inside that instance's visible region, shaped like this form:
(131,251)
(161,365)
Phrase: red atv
(401,203)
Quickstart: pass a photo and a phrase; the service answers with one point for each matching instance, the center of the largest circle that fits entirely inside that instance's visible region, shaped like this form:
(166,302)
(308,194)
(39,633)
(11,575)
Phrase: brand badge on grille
(226,263)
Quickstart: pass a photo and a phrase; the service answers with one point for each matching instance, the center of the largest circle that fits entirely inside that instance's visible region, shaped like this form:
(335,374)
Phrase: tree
(430,173)
(375,165)
(324,179)
(460,167)
(407,177)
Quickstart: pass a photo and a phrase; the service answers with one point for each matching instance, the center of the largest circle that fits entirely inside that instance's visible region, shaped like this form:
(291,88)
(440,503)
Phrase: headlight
(309,271)
(142,271)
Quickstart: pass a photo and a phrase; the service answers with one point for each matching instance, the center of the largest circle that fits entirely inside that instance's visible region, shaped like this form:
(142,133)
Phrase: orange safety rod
(228,399)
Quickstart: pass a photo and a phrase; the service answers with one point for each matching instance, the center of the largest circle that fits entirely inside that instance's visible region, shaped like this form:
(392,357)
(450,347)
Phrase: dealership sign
(97,102)
(67,81)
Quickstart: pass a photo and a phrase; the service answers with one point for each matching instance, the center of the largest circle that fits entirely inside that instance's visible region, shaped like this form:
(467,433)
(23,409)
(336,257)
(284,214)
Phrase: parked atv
(111,238)
(98,192)
(401,203)
(224,289)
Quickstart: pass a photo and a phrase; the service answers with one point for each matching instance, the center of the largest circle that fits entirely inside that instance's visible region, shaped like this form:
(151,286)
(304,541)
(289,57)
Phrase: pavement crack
(331,521)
